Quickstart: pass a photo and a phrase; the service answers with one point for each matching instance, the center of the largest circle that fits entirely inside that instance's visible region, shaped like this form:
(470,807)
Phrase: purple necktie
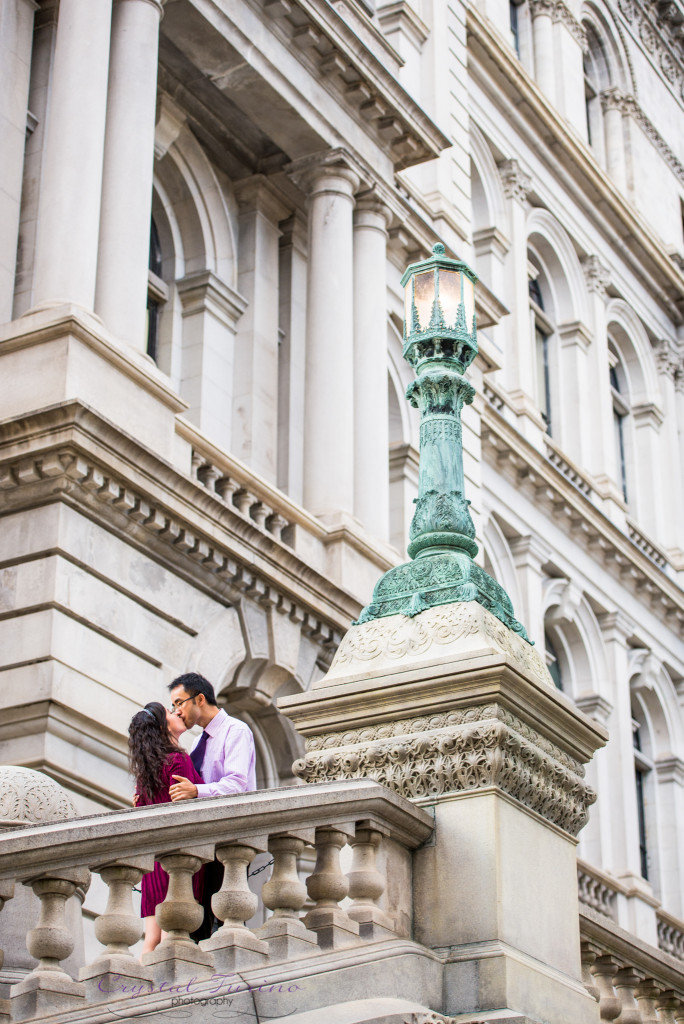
(197,755)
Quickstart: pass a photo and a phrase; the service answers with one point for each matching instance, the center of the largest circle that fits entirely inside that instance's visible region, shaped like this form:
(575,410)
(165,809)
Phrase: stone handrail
(597,890)
(631,980)
(55,859)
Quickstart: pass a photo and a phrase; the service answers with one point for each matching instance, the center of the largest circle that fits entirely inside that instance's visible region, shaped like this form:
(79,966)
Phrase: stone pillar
(495,752)
(329,395)
(211,313)
(600,454)
(123,255)
(544,55)
(574,344)
(255,396)
(670,776)
(619,820)
(69,222)
(671,496)
(519,366)
(530,554)
(647,505)
(371,437)
(612,102)
(292,356)
(569,72)
(16,40)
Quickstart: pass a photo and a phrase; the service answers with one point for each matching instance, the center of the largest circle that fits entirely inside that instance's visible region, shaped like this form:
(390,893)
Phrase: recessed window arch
(543,331)
(619,390)
(157,292)
(607,81)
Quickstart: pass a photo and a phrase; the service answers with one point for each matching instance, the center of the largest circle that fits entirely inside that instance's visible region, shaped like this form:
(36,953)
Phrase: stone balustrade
(597,890)
(633,982)
(54,859)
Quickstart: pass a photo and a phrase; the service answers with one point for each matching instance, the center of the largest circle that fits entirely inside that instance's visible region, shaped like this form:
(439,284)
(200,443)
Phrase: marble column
(519,363)
(255,390)
(672,484)
(329,395)
(69,222)
(544,56)
(123,256)
(16,38)
(529,555)
(612,102)
(371,437)
(293,261)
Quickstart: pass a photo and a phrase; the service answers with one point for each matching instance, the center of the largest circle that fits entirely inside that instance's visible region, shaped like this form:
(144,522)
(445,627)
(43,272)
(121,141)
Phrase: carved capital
(613,99)
(596,274)
(564,15)
(319,172)
(516,183)
(668,361)
(461,750)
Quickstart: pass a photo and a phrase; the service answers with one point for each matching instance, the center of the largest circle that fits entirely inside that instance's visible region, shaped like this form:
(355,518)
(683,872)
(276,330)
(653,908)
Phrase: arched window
(543,329)
(596,79)
(620,396)
(642,768)
(157,292)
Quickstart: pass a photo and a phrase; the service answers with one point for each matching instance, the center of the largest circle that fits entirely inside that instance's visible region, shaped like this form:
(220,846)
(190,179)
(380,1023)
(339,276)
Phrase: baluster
(226,488)
(177,958)
(118,928)
(275,524)
(626,981)
(327,886)
(679,1011)
(259,513)
(234,946)
(646,994)
(6,893)
(244,500)
(48,988)
(208,475)
(285,895)
(589,954)
(366,886)
(604,969)
(667,1006)
(198,461)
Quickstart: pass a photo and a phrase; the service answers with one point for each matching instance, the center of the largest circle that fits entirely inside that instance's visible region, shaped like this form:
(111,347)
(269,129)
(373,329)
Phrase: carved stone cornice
(668,360)
(631,106)
(472,748)
(596,275)
(658,30)
(515,182)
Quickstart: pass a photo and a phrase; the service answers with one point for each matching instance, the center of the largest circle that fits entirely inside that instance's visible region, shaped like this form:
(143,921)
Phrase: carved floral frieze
(461,751)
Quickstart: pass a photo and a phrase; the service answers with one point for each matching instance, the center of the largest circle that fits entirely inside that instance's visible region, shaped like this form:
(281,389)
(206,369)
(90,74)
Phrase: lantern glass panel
(424,285)
(468,301)
(449,295)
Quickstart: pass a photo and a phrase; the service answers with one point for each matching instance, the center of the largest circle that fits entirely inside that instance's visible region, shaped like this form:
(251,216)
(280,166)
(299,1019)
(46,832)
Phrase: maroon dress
(156,883)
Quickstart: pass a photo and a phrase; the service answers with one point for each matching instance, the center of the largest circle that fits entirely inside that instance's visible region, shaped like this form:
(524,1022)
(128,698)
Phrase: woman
(154,757)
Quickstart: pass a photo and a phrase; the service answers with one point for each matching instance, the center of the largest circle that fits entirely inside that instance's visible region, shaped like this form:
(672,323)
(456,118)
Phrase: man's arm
(238,759)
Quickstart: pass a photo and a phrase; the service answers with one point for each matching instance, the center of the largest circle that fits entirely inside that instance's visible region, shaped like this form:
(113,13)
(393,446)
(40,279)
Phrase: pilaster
(255,399)
(124,240)
(529,555)
(671,483)
(292,302)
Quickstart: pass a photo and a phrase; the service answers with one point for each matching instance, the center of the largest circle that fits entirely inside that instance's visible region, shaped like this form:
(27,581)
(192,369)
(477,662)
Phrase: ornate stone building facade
(206,458)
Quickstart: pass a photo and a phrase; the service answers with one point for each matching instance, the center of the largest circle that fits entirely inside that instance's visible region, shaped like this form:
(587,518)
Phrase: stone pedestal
(454,710)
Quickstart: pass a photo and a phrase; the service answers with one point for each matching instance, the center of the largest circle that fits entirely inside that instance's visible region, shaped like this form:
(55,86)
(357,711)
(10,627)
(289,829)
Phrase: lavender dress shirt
(228,763)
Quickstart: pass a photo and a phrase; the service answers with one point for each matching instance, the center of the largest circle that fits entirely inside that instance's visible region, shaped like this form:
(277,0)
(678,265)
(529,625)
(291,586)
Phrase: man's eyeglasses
(178,703)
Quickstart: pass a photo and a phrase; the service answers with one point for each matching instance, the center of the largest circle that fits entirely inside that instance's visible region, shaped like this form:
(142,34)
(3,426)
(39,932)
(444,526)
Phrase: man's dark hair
(194,684)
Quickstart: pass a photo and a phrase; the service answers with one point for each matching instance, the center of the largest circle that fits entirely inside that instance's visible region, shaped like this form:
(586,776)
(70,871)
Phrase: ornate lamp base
(438,578)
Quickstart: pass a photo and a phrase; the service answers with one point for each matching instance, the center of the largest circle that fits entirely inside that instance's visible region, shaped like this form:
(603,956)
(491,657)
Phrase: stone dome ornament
(29,797)
(440,343)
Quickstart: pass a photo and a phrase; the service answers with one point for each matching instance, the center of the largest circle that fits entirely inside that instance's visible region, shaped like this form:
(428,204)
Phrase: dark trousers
(213,879)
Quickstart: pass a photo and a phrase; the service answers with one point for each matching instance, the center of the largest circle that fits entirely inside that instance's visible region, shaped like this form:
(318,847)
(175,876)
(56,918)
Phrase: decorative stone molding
(559,11)
(596,274)
(28,797)
(515,182)
(668,360)
(460,751)
(657,27)
(631,106)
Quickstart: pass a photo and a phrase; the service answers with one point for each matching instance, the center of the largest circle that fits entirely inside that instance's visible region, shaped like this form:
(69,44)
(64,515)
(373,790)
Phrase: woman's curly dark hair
(149,741)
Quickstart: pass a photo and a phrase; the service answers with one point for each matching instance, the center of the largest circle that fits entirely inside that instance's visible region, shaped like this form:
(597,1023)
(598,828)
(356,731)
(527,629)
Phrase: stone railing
(651,550)
(670,935)
(633,982)
(571,472)
(597,890)
(54,860)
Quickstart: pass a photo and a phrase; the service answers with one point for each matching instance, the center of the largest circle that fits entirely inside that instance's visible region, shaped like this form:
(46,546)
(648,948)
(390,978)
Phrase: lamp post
(440,343)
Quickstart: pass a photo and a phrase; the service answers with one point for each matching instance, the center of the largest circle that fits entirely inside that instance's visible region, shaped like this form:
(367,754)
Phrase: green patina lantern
(440,343)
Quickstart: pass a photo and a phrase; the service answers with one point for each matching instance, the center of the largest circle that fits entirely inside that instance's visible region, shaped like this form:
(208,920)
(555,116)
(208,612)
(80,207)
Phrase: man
(223,755)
